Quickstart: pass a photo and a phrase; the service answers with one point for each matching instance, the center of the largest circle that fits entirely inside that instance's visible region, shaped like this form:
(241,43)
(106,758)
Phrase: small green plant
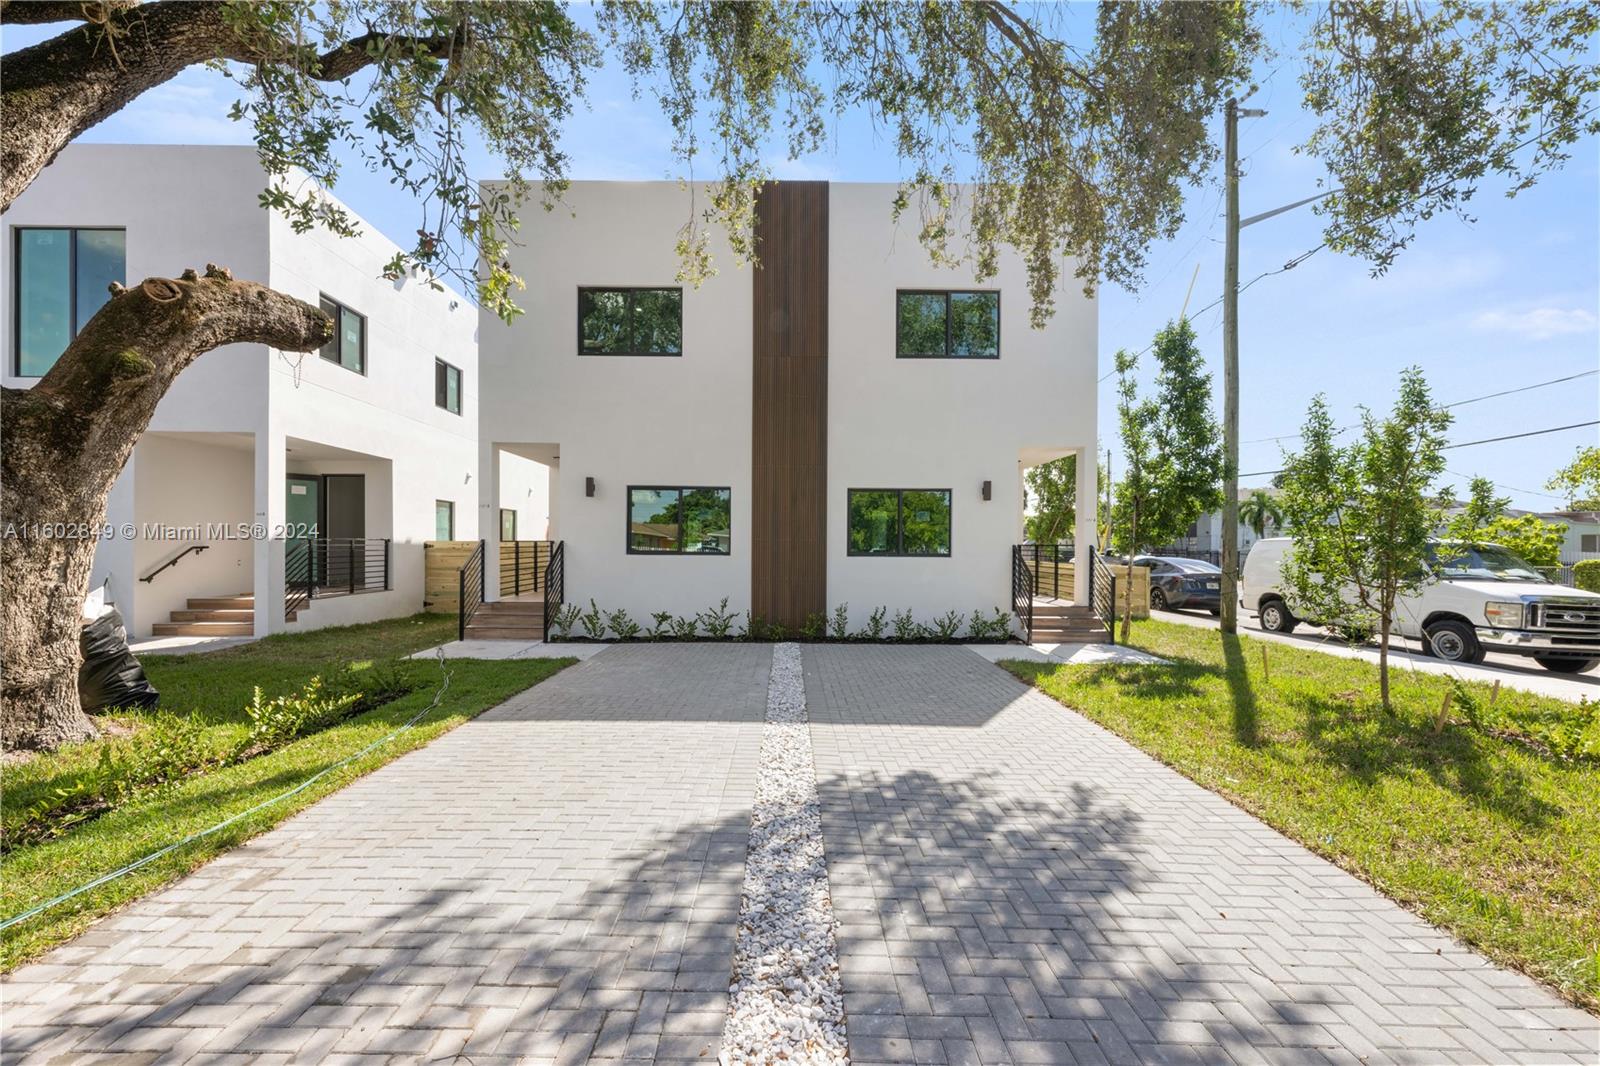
(946,626)
(684,628)
(1000,624)
(905,627)
(814,626)
(1586,575)
(874,630)
(839,627)
(281,719)
(594,622)
(776,632)
(620,623)
(717,621)
(563,621)
(663,625)
(755,627)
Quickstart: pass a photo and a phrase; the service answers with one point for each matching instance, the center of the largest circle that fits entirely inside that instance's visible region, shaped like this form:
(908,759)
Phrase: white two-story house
(273,491)
(847,422)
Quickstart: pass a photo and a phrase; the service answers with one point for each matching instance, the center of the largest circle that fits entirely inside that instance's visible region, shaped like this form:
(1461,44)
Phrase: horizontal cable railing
(522,566)
(470,582)
(555,584)
(1103,593)
(1022,590)
(1046,561)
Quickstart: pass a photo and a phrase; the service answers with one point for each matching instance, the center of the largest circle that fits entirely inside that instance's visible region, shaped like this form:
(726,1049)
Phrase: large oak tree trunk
(62,445)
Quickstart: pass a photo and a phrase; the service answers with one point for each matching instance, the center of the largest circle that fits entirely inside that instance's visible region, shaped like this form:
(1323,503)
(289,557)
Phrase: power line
(1503,485)
(1446,407)
(1470,443)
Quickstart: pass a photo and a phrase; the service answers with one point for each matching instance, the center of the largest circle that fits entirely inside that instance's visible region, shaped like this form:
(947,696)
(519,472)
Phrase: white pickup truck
(1486,599)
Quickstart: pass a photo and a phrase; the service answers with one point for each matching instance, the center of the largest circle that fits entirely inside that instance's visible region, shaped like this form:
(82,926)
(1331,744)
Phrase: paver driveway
(558,879)
(1015,884)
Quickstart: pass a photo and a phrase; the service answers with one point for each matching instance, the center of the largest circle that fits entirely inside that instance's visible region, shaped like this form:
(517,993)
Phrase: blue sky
(1510,299)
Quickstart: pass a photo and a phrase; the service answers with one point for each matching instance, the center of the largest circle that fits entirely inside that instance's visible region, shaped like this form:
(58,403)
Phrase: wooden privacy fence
(522,564)
(1048,577)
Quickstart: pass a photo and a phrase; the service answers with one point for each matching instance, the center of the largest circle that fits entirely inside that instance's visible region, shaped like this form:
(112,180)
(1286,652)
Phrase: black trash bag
(110,676)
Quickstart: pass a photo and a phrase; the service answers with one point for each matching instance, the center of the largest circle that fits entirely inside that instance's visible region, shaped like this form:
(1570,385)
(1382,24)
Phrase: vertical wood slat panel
(788,544)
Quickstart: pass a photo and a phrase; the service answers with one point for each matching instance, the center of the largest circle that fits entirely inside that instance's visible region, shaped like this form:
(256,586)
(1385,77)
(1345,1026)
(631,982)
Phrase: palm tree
(1258,511)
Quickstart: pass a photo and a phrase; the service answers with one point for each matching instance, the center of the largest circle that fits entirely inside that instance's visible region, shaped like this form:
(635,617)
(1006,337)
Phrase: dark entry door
(303,512)
(344,520)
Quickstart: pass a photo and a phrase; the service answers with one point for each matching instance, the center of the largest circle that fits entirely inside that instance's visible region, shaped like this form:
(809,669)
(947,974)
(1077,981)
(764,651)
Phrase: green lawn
(216,687)
(1483,835)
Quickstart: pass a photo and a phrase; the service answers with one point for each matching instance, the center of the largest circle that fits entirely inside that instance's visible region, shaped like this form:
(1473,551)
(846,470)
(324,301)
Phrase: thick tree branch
(54,91)
(34,12)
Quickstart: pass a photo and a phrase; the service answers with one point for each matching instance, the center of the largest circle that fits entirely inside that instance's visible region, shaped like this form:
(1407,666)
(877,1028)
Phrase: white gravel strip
(785,1002)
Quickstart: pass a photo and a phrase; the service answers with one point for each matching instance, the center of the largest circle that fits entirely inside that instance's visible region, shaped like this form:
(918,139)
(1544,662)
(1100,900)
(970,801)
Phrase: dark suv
(1177,583)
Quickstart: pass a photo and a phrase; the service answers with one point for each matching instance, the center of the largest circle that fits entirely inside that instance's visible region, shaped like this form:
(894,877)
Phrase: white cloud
(1537,323)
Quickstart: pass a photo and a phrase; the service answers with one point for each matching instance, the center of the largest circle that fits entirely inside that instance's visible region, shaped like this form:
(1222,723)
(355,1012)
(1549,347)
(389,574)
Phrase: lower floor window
(444,520)
(899,522)
(508,524)
(679,521)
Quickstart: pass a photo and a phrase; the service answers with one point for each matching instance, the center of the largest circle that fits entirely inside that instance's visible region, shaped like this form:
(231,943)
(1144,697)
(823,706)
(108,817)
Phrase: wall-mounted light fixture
(588,486)
(988,490)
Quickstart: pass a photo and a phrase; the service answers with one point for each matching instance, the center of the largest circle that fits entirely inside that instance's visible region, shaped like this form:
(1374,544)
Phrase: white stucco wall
(626,420)
(941,423)
(524,487)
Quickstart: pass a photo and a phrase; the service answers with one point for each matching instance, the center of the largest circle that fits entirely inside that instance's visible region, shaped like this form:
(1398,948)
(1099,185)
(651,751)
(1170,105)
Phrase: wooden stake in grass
(1494,693)
(1266,673)
(1444,713)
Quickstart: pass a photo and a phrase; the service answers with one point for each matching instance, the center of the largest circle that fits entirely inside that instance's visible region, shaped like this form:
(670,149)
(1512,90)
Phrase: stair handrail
(1022,591)
(555,584)
(193,548)
(299,575)
(470,585)
(1103,593)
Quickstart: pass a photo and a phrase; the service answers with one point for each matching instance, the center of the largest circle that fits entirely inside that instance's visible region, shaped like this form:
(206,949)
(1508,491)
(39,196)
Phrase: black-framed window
(63,276)
(508,524)
(670,520)
(630,321)
(348,347)
(447,386)
(444,520)
(941,324)
(914,522)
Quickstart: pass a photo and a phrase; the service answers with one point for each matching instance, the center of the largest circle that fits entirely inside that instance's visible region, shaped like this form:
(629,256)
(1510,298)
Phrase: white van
(1486,599)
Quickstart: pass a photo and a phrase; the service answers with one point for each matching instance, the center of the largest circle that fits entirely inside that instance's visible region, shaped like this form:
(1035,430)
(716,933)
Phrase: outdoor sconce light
(588,486)
(988,491)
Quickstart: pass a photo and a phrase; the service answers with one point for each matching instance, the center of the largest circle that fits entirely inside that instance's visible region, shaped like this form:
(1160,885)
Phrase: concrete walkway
(558,881)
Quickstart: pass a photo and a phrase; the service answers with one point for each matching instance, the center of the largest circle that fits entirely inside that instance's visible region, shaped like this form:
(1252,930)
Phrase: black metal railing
(522,565)
(555,584)
(194,549)
(470,584)
(1048,581)
(1103,593)
(1022,591)
(321,567)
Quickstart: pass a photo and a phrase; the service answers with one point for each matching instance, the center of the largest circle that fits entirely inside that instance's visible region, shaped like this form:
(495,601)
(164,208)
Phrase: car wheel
(1566,666)
(1216,612)
(1158,600)
(1275,617)
(1454,642)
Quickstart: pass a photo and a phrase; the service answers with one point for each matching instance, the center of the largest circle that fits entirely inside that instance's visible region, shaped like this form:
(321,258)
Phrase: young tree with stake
(1364,514)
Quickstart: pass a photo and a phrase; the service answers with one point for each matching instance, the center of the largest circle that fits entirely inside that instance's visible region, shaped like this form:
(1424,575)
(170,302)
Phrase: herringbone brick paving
(1014,884)
(555,881)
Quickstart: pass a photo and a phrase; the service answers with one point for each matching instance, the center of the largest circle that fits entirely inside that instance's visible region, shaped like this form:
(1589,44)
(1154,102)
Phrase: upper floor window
(447,386)
(898,522)
(679,521)
(630,321)
(348,347)
(947,325)
(63,278)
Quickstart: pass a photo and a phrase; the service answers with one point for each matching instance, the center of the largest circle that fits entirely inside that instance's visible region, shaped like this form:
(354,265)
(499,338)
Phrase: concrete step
(243,602)
(216,614)
(203,629)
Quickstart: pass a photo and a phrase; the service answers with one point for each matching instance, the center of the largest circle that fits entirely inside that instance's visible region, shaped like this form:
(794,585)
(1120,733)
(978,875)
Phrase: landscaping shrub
(905,627)
(945,627)
(621,624)
(814,626)
(874,630)
(663,625)
(684,628)
(717,621)
(563,621)
(594,623)
(1586,575)
(839,628)
(281,719)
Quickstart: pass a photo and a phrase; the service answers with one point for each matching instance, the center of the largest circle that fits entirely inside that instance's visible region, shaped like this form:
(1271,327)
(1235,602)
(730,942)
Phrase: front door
(344,522)
(303,513)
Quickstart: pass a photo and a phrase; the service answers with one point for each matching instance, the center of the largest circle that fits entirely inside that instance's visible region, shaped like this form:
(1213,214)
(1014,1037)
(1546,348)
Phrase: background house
(372,443)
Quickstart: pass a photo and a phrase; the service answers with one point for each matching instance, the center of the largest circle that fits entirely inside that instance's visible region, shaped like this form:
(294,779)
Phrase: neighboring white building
(375,440)
(1205,534)
(790,437)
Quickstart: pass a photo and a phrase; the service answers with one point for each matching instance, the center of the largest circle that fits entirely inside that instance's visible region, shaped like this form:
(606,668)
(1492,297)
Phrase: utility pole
(1230,370)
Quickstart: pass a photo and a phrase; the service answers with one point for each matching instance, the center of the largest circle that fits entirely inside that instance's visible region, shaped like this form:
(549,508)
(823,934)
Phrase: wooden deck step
(243,602)
(203,629)
(215,614)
